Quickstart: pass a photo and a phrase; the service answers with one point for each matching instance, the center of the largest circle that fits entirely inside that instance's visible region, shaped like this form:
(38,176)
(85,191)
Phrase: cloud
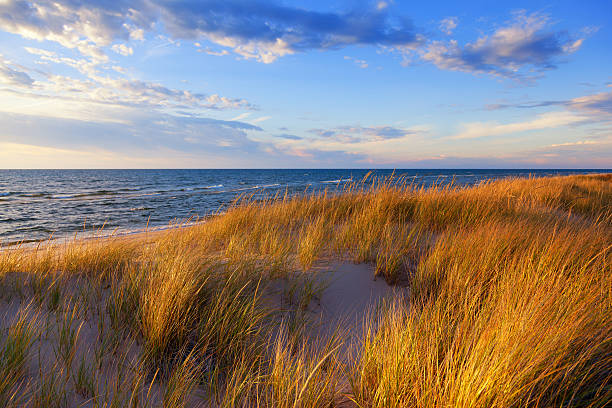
(547,120)
(288,136)
(84,26)
(242,116)
(13,76)
(310,157)
(25,156)
(261,119)
(366,145)
(593,111)
(138,132)
(152,140)
(578,143)
(359,62)
(524,43)
(265,30)
(122,49)
(85,66)
(130,93)
(360,134)
(381,5)
(597,105)
(527,105)
(121,91)
(262,30)
(215,53)
(578,154)
(448,25)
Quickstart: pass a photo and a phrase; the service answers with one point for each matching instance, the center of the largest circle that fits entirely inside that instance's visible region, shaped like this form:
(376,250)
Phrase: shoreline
(125,233)
(79,237)
(34,219)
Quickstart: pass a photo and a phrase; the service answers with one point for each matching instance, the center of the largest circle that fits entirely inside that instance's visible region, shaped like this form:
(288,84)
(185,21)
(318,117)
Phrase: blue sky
(259,84)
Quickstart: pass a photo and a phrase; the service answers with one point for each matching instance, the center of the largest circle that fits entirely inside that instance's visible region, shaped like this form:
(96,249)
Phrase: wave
(101,194)
(337,181)
(98,193)
(257,187)
(21,194)
(9,219)
(67,196)
(33,195)
(208,187)
(174,190)
(94,194)
(141,208)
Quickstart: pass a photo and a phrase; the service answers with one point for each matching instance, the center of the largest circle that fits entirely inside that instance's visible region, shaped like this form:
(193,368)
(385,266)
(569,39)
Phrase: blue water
(37,204)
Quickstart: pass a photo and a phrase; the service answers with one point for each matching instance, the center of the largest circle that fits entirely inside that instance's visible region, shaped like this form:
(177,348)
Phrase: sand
(352,293)
(343,295)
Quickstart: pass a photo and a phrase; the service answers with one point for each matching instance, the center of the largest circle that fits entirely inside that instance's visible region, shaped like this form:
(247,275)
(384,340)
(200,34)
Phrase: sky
(317,84)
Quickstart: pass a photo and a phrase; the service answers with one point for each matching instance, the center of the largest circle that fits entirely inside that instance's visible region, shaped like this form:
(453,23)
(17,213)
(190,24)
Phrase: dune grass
(509,303)
(498,316)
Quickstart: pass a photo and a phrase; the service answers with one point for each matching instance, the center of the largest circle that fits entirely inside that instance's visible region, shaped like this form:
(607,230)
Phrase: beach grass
(507,303)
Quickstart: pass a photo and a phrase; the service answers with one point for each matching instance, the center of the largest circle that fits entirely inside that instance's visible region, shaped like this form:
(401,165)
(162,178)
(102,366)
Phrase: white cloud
(262,51)
(578,143)
(135,33)
(524,42)
(251,30)
(242,116)
(137,130)
(448,25)
(40,52)
(598,104)
(215,53)
(12,75)
(76,27)
(360,134)
(122,49)
(547,120)
(83,65)
(359,62)
(381,5)
(266,33)
(107,90)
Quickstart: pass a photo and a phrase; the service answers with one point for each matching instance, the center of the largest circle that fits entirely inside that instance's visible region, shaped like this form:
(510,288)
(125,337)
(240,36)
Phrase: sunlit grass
(498,316)
(509,303)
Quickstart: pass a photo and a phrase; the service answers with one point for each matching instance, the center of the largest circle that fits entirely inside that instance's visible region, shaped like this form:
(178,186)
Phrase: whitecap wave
(337,181)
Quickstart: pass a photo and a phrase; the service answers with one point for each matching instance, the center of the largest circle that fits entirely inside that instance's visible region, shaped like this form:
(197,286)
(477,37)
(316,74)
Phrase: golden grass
(510,302)
(15,346)
(498,316)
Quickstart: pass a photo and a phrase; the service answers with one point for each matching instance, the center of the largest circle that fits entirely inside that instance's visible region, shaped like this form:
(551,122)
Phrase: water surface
(35,204)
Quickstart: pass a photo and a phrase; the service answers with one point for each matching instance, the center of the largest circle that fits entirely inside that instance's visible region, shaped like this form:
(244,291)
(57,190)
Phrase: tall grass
(14,352)
(501,315)
(510,301)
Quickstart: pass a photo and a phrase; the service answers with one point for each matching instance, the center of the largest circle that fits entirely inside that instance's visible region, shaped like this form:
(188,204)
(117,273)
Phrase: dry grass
(498,316)
(510,303)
